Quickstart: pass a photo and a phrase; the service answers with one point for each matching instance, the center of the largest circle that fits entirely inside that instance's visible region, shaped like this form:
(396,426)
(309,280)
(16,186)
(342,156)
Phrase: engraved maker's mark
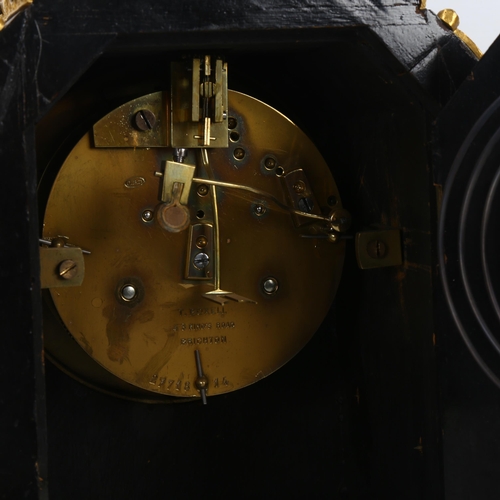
(134,182)
(203,311)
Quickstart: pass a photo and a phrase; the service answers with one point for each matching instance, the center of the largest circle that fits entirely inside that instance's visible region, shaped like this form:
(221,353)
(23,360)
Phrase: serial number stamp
(203,340)
(180,384)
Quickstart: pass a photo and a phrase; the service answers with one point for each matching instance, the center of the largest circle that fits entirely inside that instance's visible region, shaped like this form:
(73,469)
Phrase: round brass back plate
(142,310)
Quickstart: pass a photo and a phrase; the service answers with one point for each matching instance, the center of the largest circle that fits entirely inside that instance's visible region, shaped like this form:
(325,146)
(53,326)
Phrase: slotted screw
(67,269)
(144,120)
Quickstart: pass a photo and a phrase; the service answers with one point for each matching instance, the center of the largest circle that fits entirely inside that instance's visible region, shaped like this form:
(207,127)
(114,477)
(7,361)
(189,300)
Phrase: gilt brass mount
(9,9)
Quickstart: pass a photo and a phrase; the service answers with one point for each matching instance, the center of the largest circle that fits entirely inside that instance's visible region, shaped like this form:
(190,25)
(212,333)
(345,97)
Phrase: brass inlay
(149,341)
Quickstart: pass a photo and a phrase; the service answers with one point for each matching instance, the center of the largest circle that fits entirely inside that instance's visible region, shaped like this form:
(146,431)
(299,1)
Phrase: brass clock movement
(191,242)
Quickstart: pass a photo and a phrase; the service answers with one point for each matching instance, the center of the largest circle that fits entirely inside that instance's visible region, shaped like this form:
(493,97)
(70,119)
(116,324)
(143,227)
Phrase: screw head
(259,210)
(201,242)
(306,205)
(202,190)
(239,153)
(340,220)
(332,200)
(376,249)
(231,123)
(147,216)
(299,187)
(201,260)
(128,292)
(67,269)
(144,120)
(270,285)
(270,163)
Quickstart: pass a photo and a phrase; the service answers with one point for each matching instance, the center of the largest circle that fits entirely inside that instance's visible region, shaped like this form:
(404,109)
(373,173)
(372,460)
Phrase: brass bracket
(200,257)
(180,173)
(378,248)
(199,104)
(61,267)
(141,123)
(300,194)
(9,8)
